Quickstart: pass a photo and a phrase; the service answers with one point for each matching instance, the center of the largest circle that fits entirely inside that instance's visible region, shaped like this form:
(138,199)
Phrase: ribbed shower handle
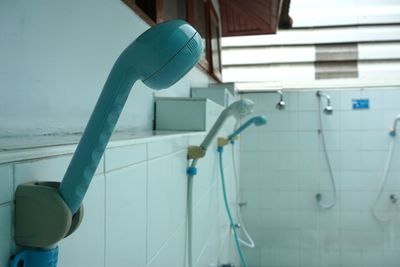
(94,140)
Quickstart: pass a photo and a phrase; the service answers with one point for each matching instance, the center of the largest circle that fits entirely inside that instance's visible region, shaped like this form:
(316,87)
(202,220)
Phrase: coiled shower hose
(319,196)
(249,243)
(228,210)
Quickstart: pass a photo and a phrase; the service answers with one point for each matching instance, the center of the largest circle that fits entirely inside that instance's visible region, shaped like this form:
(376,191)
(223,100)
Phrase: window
(214,41)
(199,13)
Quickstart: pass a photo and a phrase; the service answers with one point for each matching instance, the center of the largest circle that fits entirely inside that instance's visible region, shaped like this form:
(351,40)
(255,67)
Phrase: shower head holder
(196,152)
(42,218)
(222,141)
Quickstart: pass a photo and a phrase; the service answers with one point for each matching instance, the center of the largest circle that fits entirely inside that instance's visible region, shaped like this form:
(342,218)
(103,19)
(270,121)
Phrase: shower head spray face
(259,120)
(159,57)
(281,105)
(328,110)
(241,108)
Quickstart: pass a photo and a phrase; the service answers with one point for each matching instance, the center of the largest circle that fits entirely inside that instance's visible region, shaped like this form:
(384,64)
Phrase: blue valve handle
(36,258)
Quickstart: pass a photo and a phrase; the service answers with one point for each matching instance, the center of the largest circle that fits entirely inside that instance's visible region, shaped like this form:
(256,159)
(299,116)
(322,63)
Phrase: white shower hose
(249,243)
(382,185)
(333,203)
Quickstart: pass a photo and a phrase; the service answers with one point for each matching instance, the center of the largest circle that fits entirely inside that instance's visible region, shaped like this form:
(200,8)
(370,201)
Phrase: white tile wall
(123,156)
(172,253)
(283,166)
(5,233)
(135,212)
(90,234)
(166,199)
(126,216)
(47,169)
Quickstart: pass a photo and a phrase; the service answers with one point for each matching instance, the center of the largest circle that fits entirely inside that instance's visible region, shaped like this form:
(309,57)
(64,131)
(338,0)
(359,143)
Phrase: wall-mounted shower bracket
(394,198)
(196,152)
(221,141)
(42,218)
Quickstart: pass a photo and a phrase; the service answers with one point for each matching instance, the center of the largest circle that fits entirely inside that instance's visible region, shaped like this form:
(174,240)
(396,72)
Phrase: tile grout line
(147,205)
(12,230)
(105,210)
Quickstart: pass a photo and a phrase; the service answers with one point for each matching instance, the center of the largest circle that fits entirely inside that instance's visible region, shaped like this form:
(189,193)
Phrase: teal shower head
(159,57)
(257,121)
(162,55)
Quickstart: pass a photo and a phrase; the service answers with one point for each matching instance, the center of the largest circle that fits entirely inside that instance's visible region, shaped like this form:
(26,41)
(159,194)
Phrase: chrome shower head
(393,129)
(328,110)
(237,109)
(281,104)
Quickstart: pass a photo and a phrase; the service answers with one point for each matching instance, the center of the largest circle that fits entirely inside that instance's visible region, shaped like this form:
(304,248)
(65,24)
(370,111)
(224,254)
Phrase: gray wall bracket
(41,216)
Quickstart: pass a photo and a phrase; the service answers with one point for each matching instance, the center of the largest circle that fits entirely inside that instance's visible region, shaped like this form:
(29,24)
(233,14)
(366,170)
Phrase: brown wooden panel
(246,17)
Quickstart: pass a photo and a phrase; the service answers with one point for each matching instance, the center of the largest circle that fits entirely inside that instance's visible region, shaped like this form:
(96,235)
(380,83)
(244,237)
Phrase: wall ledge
(15,149)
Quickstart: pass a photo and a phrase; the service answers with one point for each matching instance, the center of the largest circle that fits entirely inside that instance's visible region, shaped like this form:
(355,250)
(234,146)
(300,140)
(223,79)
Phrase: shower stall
(321,146)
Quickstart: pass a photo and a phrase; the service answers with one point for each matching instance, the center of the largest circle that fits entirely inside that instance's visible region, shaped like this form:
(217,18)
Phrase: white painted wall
(55,57)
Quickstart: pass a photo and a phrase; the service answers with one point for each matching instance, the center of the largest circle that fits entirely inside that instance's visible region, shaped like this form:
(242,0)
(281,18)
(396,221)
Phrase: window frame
(212,15)
(205,63)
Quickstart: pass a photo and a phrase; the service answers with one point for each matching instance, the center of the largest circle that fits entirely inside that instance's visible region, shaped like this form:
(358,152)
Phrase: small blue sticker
(360,103)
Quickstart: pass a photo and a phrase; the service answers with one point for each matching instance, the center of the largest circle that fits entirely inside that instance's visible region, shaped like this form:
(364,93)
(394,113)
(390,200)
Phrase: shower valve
(242,204)
(393,198)
(42,218)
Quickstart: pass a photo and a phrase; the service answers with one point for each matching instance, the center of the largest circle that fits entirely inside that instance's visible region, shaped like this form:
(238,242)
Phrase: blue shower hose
(228,210)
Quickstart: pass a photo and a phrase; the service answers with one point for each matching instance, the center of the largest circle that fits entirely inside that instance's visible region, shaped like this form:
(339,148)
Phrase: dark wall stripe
(336,61)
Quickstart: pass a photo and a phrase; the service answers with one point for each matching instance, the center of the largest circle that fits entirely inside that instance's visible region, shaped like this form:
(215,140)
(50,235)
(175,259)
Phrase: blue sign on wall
(360,103)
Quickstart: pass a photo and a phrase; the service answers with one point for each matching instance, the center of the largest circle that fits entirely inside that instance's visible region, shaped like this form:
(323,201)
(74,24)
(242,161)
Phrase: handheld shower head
(239,108)
(328,110)
(159,57)
(164,53)
(257,121)
(281,104)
